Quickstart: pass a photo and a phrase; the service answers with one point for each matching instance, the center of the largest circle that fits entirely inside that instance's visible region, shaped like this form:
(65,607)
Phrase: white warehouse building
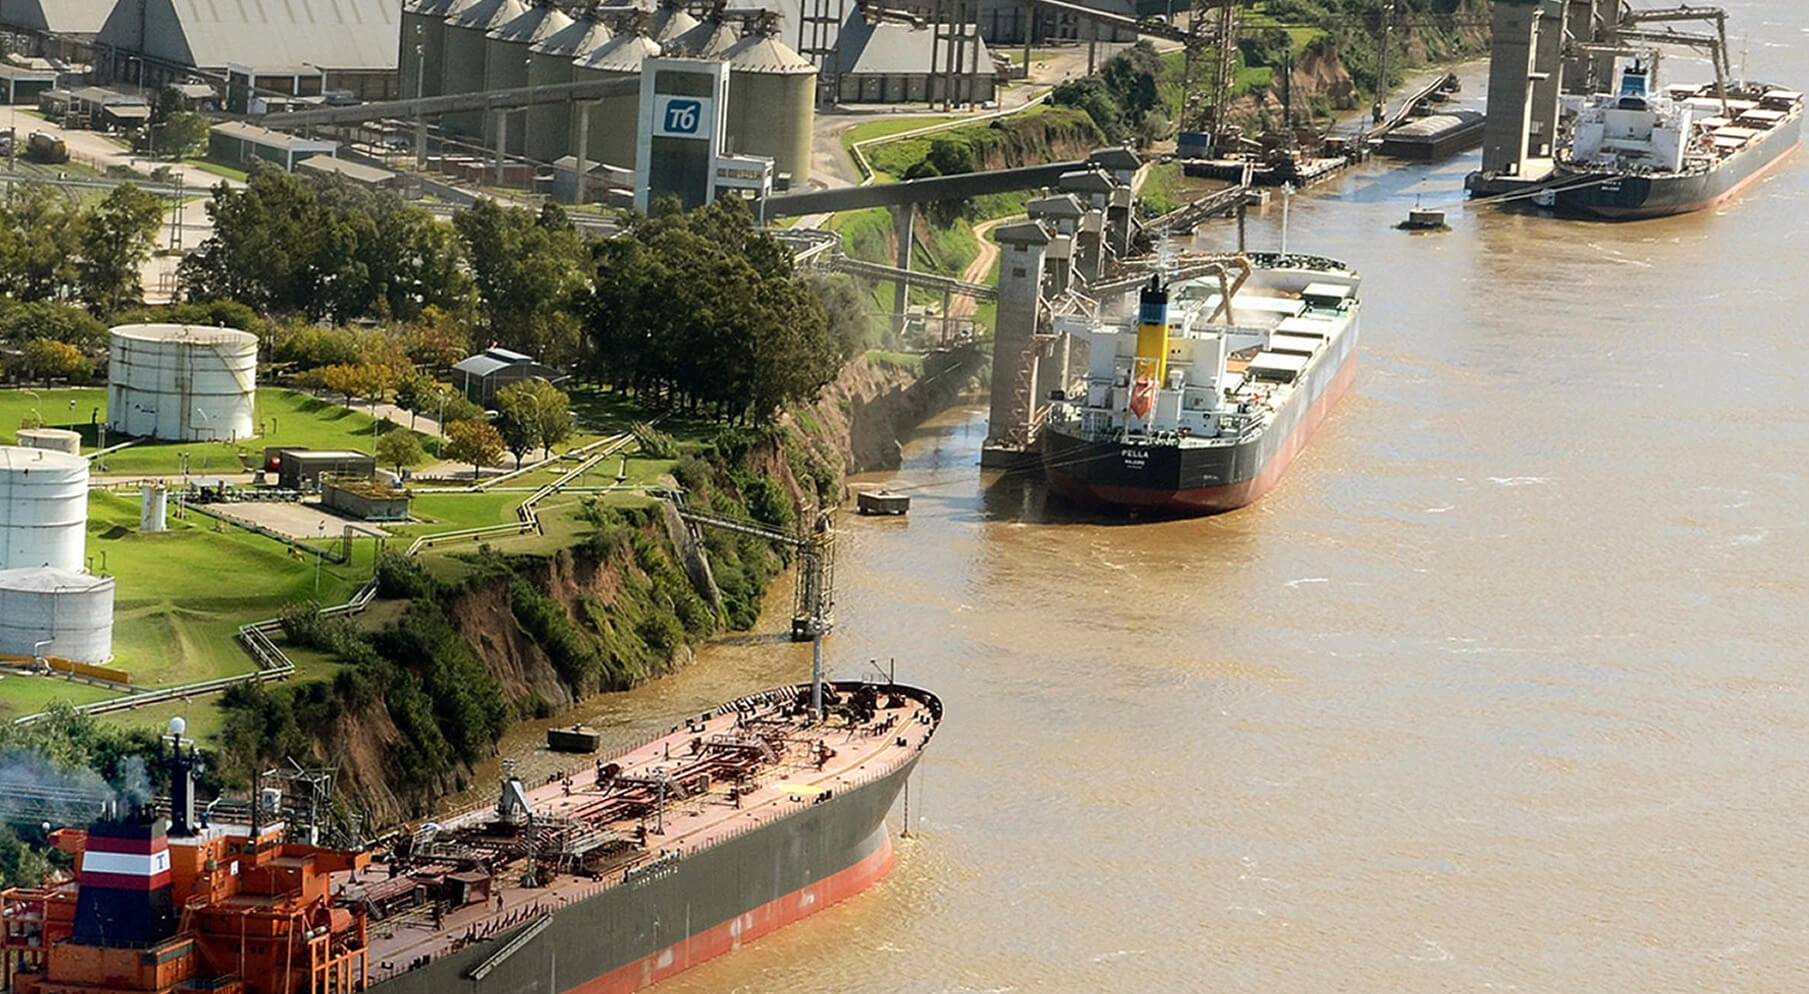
(182,383)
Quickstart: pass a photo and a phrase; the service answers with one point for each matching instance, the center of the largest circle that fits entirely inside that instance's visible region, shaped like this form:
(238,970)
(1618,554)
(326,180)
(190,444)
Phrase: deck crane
(813,606)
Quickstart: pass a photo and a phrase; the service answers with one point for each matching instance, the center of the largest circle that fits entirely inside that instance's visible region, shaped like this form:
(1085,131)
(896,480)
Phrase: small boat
(578,738)
(882,502)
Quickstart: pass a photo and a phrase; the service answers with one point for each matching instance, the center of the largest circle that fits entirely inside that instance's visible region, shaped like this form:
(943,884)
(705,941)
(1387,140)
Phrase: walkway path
(962,306)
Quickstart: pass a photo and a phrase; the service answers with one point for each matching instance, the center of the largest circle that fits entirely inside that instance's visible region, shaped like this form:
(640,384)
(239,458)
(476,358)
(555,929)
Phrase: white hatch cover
(1295,344)
(1329,291)
(1310,327)
(1276,366)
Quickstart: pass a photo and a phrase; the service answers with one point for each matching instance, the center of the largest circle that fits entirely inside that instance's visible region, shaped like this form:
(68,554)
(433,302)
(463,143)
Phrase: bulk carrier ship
(606,880)
(1637,153)
(1201,406)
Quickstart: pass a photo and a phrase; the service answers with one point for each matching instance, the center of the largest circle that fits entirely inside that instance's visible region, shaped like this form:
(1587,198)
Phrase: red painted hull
(745,928)
(1214,500)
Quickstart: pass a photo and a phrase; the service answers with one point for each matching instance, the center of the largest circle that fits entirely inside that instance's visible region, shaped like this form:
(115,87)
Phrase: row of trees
(53,250)
(705,311)
(336,253)
(700,310)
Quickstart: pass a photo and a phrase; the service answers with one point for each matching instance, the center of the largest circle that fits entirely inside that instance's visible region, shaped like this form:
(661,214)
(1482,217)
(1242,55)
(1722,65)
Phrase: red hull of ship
(745,928)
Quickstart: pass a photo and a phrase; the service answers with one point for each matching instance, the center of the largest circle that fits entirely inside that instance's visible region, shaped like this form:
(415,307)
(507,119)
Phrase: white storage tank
(182,383)
(154,508)
(54,439)
(43,508)
(55,612)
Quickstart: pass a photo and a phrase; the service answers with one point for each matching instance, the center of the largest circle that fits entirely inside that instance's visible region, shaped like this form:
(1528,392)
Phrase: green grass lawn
(284,417)
(182,594)
(885,128)
(217,168)
(22,694)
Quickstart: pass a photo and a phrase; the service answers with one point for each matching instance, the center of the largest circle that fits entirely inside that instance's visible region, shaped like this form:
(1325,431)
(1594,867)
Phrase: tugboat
(1641,153)
(1201,410)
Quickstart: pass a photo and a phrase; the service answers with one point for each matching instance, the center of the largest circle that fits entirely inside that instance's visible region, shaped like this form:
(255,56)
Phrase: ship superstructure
(1641,151)
(1199,405)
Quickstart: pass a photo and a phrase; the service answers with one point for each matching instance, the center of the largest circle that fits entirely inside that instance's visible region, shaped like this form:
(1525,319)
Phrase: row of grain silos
(465,46)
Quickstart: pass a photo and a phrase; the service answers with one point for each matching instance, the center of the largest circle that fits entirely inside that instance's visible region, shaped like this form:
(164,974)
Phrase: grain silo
(708,40)
(550,64)
(55,439)
(182,383)
(506,54)
(463,71)
(613,120)
(421,53)
(43,508)
(772,103)
(668,22)
(51,612)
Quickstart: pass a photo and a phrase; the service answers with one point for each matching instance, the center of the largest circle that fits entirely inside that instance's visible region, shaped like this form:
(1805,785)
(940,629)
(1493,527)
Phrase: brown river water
(1502,689)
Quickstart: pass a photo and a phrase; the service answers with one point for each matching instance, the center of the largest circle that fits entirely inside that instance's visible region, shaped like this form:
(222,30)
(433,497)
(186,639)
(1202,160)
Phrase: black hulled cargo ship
(1639,153)
(1200,407)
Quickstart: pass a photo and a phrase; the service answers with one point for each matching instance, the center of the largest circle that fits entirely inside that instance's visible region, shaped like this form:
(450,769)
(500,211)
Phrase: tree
(181,133)
(526,266)
(344,378)
(475,442)
(40,244)
(413,389)
(48,359)
(20,323)
(116,239)
(400,448)
(535,411)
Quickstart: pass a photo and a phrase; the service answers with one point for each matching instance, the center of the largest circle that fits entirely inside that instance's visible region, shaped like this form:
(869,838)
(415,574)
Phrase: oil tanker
(1639,153)
(1202,404)
(606,879)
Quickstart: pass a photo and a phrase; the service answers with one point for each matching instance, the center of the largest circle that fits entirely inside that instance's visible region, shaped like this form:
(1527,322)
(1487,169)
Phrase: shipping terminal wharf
(605,880)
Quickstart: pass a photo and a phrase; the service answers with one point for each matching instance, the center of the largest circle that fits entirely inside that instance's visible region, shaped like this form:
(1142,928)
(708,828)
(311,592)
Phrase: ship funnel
(125,897)
(1152,345)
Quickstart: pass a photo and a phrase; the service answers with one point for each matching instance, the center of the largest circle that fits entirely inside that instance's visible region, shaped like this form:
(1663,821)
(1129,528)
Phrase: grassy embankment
(181,595)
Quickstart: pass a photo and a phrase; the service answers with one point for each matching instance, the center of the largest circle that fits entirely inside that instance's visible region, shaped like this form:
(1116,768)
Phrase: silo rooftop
(194,334)
(18,458)
(623,53)
(51,579)
(766,54)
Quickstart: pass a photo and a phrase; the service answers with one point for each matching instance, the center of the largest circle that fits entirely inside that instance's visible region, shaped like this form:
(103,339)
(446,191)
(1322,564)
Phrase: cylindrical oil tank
(153,508)
(613,120)
(43,508)
(56,613)
(463,71)
(421,46)
(182,383)
(550,64)
(506,63)
(55,439)
(772,105)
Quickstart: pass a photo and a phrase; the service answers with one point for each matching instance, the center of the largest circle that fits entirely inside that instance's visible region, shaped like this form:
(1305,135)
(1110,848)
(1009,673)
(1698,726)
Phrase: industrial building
(364,498)
(238,143)
(347,46)
(62,31)
(481,375)
(181,382)
(302,469)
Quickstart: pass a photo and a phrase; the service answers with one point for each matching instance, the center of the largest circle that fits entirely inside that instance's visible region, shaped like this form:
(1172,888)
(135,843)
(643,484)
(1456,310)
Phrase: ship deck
(780,785)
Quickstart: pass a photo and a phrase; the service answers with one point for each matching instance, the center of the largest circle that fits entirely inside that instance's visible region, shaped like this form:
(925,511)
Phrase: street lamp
(320,530)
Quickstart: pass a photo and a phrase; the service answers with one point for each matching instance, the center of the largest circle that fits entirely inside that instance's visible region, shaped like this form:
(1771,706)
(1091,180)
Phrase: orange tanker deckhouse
(178,905)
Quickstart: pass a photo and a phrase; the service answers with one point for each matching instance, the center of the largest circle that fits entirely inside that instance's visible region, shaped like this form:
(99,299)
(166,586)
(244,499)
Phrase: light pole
(209,430)
(420,84)
(320,541)
(36,402)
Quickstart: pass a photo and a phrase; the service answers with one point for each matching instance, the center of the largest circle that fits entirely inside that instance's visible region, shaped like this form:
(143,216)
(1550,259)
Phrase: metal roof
(766,54)
(486,15)
(269,139)
(329,34)
(479,365)
(1022,233)
(497,352)
(623,53)
(538,24)
(579,36)
(707,40)
(191,333)
(22,459)
(1060,205)
(73,17)
(896,49)
(355,171)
